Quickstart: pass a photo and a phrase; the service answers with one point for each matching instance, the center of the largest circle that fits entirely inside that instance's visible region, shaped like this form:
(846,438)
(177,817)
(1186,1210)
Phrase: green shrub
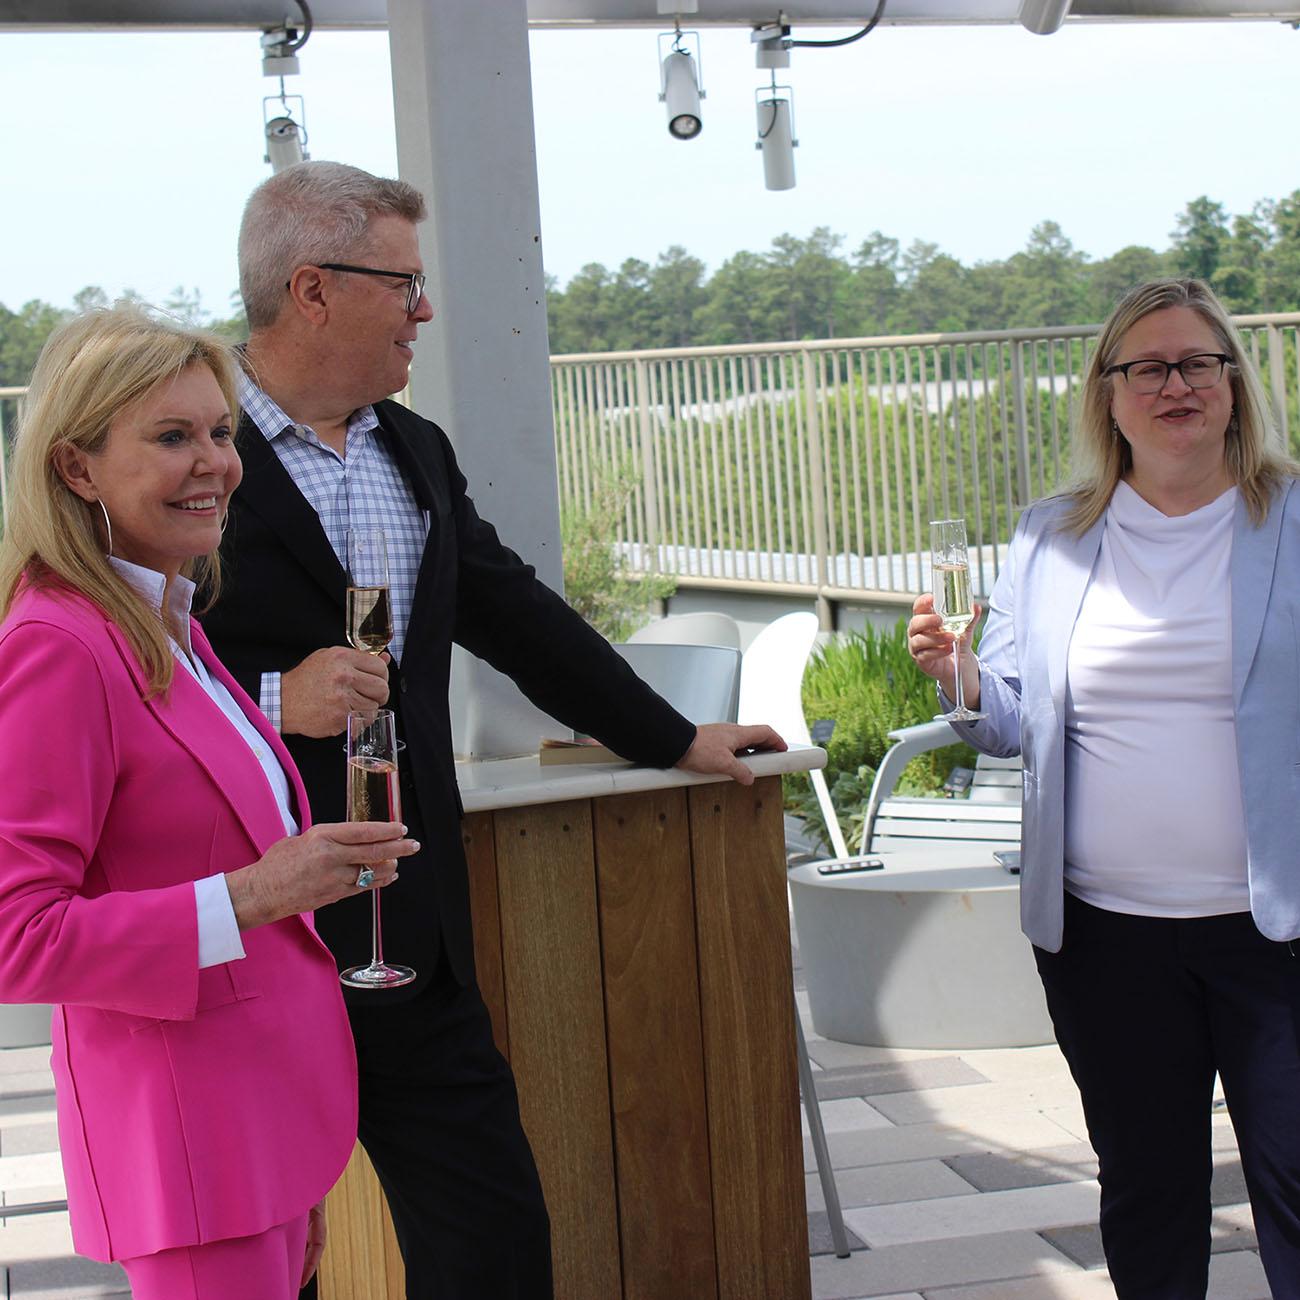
(597,582)
(866,681)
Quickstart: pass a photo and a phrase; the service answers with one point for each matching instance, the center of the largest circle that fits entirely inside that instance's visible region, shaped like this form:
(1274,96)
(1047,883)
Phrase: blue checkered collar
(272,422)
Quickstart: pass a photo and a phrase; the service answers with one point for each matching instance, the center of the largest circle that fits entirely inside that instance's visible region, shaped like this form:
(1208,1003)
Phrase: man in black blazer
(331,277)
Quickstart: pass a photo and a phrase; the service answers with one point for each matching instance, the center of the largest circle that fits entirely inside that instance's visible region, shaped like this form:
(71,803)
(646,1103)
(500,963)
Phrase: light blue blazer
(1032,612)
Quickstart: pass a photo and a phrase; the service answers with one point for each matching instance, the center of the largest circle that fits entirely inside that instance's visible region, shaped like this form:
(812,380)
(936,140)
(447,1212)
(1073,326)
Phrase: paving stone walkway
(968,1176)
(963,1176)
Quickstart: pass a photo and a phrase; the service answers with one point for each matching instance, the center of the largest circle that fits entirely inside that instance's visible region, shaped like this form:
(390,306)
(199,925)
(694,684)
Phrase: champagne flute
(373,796)
(952,602)
(370,611)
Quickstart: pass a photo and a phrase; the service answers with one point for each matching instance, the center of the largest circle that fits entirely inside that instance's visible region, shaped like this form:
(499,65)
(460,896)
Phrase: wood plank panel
(485,909)
(361,1260)
(747,1001)
(550,945)
(656,1050)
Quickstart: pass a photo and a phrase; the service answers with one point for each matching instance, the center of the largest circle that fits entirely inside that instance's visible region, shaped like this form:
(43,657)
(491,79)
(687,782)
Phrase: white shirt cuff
(219,940)
(269,698)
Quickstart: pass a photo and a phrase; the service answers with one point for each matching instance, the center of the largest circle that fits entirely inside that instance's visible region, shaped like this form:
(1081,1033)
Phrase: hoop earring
(108,524)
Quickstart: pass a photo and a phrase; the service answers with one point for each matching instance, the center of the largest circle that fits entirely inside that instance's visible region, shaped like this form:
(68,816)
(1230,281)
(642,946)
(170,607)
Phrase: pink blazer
(193,1105)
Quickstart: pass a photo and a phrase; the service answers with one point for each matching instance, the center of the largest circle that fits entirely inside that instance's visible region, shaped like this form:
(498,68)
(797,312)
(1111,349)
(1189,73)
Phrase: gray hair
(310,213)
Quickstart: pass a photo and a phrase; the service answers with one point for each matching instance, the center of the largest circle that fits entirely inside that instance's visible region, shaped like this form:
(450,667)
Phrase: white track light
(776,139)
(283,143)
(1043,17)
(680,89)
(681,96)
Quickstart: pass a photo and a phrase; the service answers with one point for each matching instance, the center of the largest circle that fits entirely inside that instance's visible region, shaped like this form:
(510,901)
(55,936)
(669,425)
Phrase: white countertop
(516,782)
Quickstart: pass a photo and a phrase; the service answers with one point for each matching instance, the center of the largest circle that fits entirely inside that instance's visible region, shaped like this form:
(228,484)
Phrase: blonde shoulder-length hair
(1253,450)
(91,370)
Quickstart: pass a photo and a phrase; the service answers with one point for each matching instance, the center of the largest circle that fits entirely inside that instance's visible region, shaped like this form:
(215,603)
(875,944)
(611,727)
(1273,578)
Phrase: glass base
(378,975)
(962,714)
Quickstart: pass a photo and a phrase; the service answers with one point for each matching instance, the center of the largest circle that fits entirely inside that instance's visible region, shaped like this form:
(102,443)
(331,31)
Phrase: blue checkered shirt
(364,488)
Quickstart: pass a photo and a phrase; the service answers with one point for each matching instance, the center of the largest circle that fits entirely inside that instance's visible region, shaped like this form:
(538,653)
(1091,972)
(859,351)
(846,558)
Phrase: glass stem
(376,934)
(958,693)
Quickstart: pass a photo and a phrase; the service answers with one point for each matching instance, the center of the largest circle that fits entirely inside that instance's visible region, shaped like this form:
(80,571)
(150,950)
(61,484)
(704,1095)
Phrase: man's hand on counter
(716,745)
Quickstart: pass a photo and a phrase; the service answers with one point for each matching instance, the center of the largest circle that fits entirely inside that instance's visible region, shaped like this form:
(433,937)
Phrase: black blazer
(283,597)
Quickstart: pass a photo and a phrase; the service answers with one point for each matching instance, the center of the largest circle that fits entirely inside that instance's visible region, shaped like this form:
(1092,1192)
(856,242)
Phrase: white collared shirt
(219,939)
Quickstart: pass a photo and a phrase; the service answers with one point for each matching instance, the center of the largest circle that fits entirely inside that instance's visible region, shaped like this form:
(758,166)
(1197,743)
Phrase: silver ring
(365,878)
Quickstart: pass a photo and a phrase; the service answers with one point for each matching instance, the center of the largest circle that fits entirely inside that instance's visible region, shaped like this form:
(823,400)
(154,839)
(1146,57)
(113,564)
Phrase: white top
(219,939)
(1153,815)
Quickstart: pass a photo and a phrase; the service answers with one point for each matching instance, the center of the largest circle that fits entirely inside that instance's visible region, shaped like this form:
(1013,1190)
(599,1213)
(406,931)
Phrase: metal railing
(814,468)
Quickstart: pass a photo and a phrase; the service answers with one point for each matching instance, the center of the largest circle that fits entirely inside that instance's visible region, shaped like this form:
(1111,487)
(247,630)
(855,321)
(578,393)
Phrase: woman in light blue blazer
(1142,655)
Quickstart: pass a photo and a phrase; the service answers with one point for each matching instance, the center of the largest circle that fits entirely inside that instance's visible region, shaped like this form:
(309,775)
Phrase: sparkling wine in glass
(370,611)
(952,602)
(373,796)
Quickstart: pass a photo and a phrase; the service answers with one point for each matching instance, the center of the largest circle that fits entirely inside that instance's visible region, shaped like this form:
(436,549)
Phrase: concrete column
(463,95)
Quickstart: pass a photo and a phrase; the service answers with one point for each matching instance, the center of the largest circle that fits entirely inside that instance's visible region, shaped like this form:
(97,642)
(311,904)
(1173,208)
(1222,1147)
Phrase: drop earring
(108,524)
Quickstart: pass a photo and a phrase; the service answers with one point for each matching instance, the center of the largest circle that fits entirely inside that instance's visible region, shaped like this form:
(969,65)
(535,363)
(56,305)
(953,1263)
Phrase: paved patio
(963,1175)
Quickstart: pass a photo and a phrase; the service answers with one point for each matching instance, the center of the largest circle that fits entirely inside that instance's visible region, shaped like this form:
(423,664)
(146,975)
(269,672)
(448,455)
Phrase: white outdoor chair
(702,682)
(771,691)
(989,816)
(771,684)
(702,628)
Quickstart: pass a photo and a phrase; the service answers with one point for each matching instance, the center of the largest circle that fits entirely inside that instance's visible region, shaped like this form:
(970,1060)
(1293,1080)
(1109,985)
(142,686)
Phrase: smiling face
(1179,428)
(165,472)
(371,331)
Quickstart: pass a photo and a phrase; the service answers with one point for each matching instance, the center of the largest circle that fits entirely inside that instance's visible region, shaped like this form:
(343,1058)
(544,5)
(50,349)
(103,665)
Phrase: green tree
(677,285)
(870,294)
(1200,238)
(1110,279)
(1045,284)
(935,291)
(738,302)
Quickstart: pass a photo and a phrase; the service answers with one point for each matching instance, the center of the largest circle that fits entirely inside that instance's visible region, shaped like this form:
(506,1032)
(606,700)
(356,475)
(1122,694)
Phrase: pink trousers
(265,1267)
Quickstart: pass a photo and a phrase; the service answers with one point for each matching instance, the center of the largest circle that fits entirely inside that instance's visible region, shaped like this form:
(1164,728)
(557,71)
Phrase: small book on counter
(576,751)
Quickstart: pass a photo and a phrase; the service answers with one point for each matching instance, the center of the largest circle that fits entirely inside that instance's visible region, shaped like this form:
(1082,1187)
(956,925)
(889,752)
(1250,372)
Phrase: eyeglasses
(414,280)
(1148,375)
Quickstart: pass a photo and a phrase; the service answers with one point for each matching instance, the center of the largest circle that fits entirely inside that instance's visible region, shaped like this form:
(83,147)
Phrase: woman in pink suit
(154,883)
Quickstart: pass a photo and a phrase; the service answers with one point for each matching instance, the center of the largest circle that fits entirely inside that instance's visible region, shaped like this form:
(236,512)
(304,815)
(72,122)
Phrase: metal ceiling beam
(213,15)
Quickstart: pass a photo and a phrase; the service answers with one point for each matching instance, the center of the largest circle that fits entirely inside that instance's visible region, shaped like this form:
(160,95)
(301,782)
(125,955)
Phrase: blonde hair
(310,213)
(89,371)
(1253,448)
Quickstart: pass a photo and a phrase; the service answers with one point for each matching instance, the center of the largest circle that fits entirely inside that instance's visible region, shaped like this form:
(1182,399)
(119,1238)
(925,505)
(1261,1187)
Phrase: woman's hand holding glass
(931,650)
(303,872)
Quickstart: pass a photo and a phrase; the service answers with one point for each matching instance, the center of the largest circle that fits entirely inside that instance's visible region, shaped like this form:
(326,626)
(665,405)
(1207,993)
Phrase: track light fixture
(776,138)
(1043,17)
(679,84)
(285,135)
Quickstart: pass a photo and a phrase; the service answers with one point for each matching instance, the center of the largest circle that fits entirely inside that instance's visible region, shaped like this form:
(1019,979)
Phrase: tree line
(814,288)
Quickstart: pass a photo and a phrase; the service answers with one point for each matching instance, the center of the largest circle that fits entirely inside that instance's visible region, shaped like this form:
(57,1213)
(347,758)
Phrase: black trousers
(1146,1010)
(440,1122)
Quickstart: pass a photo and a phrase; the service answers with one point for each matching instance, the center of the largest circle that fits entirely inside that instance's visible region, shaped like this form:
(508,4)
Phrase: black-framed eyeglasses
(1147,375)
(414,279)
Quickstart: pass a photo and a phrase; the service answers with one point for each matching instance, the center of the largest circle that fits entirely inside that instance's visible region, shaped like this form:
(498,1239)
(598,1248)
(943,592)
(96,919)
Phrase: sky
(125,159)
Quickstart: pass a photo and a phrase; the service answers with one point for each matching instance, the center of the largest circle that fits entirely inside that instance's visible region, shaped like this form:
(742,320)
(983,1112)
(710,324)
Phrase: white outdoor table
(926,952)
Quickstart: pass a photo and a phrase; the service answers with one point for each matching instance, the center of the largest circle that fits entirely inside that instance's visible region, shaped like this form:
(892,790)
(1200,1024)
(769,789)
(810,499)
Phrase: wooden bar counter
(632,939)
